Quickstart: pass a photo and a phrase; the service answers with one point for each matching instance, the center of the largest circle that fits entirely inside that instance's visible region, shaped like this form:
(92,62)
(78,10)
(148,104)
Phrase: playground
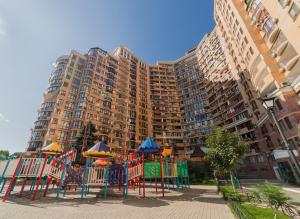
(54,171)
(146,183)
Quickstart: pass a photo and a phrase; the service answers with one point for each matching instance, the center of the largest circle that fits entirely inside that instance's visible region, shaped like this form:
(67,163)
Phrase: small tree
(225,151)
(85,139)
(273,195)
(4,154)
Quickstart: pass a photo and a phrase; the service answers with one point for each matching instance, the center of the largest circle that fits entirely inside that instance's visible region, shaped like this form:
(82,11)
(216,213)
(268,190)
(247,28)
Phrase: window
(248,56)
(278,104)
(51,131)
(269,26)
(283,2)
(241,31)
(288,122)
(60,101)
(76,81)
(282,125)
(292,144)
(66,84)
(294,11)
(251,51)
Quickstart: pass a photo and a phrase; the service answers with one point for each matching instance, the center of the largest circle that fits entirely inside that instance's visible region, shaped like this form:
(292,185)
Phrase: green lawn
(262,213)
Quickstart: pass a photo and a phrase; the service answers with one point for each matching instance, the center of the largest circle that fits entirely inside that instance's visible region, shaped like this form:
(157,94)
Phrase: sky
(33,33)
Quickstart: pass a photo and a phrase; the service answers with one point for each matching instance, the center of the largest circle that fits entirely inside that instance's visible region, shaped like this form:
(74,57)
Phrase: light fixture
(268,103)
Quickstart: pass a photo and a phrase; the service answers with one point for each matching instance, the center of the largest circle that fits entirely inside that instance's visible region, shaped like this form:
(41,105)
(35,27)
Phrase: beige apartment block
(253,51)
(261,41)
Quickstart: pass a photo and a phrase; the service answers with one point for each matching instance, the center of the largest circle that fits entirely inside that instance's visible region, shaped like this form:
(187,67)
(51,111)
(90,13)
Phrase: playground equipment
(99,176)
(149,147)
(34,170)
(100,170)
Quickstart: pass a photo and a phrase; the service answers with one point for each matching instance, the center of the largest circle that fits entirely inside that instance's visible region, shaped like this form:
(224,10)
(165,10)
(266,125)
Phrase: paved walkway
(196,202)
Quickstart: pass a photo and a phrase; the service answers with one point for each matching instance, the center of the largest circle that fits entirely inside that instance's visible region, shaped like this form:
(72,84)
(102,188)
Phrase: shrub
(273,195)
(231,195)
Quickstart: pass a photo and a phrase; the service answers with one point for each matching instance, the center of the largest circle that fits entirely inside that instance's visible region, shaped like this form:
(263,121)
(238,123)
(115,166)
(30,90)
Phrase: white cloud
(3,118)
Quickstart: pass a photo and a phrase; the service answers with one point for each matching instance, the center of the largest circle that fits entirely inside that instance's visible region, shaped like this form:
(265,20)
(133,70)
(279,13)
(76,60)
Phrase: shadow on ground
(96,198)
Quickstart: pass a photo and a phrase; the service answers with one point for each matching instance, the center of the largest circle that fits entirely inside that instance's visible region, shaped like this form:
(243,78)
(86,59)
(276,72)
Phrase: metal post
(162,176)
(61,178)
(40,178)
(143,157)
(13,178)
(85,176)
(126,188)
(5,168)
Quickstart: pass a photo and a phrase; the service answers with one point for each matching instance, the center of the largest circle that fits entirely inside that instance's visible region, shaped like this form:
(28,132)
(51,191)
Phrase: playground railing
(152,170)
(182,169)
(170,170)
(53,171)
(135,171)
(2,166)
(11,168)
(96,175)
(31,167)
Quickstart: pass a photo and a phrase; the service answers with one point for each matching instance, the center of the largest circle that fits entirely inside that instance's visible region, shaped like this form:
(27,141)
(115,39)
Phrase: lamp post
(268,104)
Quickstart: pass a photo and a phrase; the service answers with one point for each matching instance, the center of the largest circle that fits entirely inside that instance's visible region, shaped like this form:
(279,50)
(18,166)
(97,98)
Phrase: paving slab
(196,202)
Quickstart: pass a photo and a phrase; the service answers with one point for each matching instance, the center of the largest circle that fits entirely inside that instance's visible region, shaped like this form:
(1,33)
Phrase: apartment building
(253,51)
(262,47)
(166,108)
(108,90)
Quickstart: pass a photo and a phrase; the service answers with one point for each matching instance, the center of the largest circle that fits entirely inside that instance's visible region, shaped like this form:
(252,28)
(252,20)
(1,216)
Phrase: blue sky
(33,33)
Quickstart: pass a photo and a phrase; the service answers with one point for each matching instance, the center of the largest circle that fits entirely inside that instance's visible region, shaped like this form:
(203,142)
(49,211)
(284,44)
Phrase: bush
(231,195)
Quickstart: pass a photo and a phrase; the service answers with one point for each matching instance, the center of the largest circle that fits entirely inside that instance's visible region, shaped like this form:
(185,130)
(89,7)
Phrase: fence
(96,175)
(170,170)
(239,212)
(135,171)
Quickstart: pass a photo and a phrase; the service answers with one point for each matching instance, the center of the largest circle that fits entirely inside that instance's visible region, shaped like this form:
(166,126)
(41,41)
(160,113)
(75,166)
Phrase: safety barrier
(53,171)
(182,169)
(96,175)
(152,170)
(2,166)
(170,170)
(11,168)
(134,171)
(31,167)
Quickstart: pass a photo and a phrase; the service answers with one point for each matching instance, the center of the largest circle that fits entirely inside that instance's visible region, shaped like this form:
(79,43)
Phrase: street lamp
(269,104)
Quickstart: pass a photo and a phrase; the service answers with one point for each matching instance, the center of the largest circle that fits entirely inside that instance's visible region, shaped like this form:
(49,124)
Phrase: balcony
(283,154)
(262,118)
(235,123)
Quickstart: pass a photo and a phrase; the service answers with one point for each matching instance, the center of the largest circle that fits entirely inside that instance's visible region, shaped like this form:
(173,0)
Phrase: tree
(225,149)
(85,139)
(4,154)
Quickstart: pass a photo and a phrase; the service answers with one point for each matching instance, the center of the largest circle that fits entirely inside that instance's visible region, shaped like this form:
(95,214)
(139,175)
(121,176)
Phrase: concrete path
(196,202)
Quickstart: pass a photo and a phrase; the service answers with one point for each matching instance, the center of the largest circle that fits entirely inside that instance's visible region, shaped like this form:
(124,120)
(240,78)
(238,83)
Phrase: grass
(261,213)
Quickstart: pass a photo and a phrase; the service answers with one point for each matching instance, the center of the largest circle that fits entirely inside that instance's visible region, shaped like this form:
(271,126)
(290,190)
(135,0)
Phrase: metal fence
(239,212)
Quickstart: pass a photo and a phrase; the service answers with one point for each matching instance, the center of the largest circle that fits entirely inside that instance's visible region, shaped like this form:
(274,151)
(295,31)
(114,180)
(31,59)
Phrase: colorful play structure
(148,164)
